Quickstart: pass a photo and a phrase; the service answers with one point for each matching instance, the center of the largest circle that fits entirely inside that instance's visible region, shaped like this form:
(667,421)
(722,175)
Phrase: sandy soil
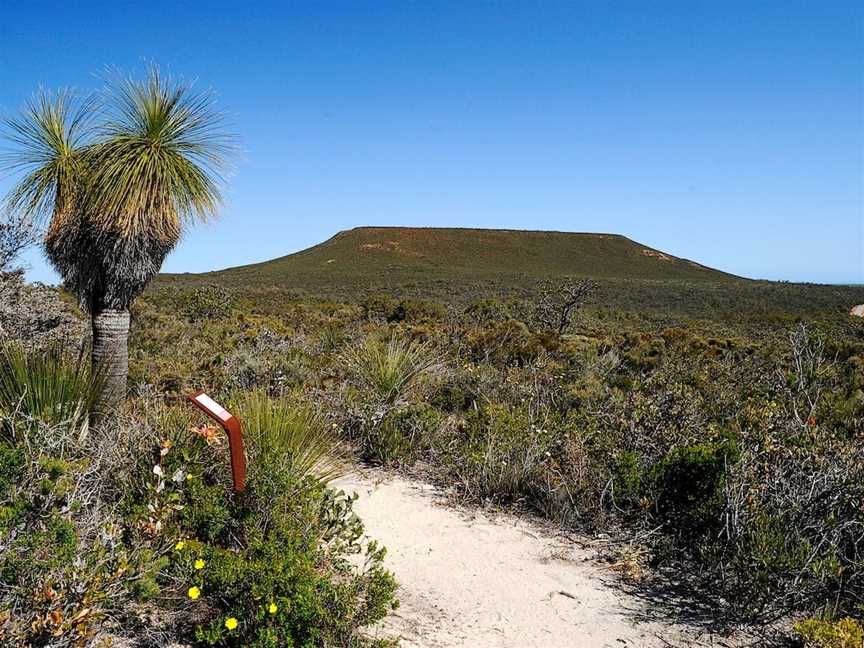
(469,579)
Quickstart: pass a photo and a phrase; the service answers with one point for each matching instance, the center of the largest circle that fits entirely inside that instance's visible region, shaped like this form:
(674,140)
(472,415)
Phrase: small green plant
(392,368)
(401,434)
(206,303)
(843,633)
(687,484)
(271,568)
(51,385)
(292,433)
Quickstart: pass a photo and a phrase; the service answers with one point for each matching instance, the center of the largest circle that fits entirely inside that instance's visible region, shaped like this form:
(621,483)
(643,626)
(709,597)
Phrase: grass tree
(117,180)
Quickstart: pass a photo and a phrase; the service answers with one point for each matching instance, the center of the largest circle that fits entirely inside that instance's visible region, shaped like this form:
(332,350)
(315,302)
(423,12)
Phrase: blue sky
(731,133)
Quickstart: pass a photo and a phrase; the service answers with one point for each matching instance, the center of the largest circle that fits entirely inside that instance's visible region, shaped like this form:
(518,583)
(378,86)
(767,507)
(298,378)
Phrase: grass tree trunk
(110,360)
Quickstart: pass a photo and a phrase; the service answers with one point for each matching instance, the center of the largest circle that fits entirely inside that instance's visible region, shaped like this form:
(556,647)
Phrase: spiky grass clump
(292,434)
(52,385)
(391,369)
(47,144)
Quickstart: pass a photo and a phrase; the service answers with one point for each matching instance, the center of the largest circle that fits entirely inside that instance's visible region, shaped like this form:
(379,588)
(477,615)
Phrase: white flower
(157,470)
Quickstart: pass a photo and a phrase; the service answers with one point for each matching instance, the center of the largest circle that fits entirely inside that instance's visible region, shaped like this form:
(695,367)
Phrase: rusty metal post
(231,425)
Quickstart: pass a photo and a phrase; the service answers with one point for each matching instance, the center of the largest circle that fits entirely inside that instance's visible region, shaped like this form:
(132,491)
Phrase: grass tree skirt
(110,359)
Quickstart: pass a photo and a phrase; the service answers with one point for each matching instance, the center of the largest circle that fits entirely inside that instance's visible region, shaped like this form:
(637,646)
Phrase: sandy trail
(468,579)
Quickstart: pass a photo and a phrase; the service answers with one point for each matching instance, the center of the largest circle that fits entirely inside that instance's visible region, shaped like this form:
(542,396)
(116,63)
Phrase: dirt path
(471,580)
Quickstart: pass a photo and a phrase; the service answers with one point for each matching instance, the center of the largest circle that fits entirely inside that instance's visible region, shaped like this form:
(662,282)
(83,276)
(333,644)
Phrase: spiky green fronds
(117,182)
(53,385)
(292,433)
(391,369)
(159,160)
(47,144)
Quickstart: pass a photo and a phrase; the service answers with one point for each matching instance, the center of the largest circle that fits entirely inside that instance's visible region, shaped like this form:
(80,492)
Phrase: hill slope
(395,255)
(458,266)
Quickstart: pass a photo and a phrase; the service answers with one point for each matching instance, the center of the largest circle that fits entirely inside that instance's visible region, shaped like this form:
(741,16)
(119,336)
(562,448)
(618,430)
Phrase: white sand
(467,579)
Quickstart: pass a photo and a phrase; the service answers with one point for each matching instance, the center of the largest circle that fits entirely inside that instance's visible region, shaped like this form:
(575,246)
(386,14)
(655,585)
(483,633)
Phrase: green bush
(90,531)
(483,311)
(500,453)
(63,566)
(400,435)
(275,562)
(843,633)
(287,540)
(378,307)
(206,303)
(687,484)
(507,343)
(51,385)
(628,475)
(415,311)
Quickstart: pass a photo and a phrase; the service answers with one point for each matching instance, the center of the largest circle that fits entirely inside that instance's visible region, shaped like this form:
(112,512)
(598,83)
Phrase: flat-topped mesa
(403,254)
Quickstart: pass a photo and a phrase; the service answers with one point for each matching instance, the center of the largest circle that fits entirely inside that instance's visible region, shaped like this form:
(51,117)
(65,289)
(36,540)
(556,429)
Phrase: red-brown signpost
(231,424)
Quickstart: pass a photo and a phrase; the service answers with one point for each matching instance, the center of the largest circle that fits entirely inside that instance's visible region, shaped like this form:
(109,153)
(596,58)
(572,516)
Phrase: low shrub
(50,384)
(206,303)
(266,360)
(843,633)
(414,311)
(64,566)
(287,544)
(507,343)
(501,450)
(35,315)
(272,568)
(378,307)
(391,369)
(687,487)
(400,435)
(292,433)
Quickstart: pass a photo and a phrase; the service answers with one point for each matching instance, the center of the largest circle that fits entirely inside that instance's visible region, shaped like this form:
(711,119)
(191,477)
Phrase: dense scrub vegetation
(132,532)
(726,455)
(732,447)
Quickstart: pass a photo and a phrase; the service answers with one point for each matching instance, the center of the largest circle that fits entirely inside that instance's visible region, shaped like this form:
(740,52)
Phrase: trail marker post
(231,425)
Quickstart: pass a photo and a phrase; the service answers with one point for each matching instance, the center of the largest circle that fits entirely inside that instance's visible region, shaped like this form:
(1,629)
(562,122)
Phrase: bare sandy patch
(468,578)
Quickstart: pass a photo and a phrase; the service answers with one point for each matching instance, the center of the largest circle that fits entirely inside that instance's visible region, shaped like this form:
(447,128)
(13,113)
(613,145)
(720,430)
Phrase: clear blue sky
(727,132)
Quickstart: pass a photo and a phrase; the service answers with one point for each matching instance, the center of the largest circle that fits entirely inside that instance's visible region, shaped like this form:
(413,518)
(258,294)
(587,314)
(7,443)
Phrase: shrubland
(131,533)
(723,456)
(730,447)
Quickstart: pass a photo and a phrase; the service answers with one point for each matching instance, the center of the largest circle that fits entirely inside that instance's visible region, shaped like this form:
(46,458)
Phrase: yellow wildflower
(199,564)
(273,608)
(230,623)
(194,593)
(180,546)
